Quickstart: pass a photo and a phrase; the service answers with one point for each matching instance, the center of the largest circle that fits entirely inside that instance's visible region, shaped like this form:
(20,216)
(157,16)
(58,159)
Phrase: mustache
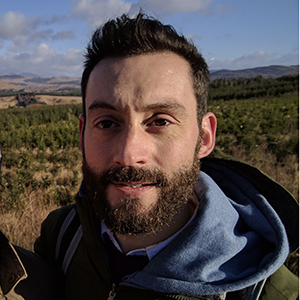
(131,174)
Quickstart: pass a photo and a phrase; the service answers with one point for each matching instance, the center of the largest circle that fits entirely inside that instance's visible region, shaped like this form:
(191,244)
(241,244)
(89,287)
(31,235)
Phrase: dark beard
(127,218)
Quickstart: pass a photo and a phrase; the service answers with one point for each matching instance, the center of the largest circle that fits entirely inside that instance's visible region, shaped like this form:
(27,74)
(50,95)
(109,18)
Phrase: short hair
(125,36)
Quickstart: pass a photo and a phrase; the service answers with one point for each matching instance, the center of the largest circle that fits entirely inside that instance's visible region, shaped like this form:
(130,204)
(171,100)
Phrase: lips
(132,188)
(133,185)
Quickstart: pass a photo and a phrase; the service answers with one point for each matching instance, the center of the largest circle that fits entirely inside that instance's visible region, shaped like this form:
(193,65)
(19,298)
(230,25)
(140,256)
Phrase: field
(42,162)
(10,101)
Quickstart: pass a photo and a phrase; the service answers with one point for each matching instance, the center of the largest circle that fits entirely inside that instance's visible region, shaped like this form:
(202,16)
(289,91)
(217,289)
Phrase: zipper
(112,293)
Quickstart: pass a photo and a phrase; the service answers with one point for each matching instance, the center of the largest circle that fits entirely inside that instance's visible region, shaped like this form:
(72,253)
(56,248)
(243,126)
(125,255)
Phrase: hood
(236,241)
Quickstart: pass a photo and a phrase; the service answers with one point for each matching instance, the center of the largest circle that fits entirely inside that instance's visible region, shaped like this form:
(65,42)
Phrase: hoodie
(236,241)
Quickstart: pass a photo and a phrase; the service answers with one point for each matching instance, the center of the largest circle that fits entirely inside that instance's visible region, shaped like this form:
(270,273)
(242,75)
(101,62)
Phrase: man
(146,224)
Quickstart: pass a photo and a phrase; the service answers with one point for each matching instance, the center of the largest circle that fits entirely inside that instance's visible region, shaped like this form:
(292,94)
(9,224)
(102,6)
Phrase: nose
(133,147)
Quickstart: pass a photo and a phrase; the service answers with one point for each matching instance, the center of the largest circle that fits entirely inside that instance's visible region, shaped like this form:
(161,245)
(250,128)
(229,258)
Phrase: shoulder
(46,243)
(282,285)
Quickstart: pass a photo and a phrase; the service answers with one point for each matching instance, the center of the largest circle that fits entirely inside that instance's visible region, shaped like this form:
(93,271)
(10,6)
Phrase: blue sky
(48,38)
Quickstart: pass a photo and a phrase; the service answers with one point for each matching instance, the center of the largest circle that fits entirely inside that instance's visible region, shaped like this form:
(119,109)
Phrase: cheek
(94,154)
(179,152)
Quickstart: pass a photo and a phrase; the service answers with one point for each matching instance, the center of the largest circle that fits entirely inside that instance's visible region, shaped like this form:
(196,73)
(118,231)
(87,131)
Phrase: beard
(129,217)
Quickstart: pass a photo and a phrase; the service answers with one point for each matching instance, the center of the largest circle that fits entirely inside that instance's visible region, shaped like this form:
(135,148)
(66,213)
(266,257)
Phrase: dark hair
(127,36)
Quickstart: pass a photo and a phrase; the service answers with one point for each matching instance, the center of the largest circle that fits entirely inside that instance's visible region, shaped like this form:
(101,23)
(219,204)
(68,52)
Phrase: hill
(8,86)
(38,84)
(270,71)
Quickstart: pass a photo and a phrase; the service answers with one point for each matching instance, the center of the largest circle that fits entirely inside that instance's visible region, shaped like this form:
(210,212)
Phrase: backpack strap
(250,293)
(68,239)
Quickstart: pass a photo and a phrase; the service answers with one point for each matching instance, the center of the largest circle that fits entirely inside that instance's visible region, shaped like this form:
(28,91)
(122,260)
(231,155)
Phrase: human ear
(81,131)
(209,128)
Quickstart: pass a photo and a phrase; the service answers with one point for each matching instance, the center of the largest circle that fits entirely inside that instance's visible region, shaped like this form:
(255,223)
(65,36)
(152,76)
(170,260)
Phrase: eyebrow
(160,105)
(101,105)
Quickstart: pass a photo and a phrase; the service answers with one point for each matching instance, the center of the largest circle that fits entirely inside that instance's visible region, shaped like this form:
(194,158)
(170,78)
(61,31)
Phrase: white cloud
(43,50)
(95,12)
(44,61)
(22,33)
(15,24)
(26,42)
(257,59)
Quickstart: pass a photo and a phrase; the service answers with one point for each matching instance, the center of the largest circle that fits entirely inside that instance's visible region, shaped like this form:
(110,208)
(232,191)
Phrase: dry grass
(22,227)
(21,221)
(10,101)
(57,100)
(6,102)
(285,173)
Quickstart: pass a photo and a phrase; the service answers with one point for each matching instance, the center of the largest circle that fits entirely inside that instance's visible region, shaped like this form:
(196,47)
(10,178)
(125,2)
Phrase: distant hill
(66,84)
(39,84)
(271,71)
(8,86)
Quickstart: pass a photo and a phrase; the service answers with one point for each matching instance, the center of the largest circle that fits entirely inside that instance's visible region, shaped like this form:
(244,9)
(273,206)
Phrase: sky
(48,38)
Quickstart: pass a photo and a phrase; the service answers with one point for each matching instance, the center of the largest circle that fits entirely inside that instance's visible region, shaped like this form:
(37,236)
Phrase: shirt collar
(151,250)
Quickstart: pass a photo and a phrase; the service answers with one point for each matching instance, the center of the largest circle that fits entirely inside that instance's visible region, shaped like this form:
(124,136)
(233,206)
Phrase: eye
(106,124)
(160,122)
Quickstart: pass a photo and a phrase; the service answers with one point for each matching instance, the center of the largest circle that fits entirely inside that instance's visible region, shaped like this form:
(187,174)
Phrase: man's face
(140,115)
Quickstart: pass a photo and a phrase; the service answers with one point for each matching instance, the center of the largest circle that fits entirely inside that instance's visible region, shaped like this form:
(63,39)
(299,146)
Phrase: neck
(129,242)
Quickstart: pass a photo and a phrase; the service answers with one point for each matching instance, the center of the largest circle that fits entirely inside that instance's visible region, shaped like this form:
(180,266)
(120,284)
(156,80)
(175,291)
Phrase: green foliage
(39,140)
(254,87)
(39,169)
(248,124)
(25,122)
(26,99)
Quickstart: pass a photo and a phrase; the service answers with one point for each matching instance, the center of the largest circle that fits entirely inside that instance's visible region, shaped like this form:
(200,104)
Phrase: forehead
(139,79)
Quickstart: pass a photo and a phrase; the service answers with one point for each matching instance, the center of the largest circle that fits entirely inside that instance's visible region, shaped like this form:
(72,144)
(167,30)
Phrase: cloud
(193,37)
(15,24)
(55,19)
(173,6)
(22,33)
(44,61)
(18,44)
(63,35)
(94,12)
(257,59)
(43,51)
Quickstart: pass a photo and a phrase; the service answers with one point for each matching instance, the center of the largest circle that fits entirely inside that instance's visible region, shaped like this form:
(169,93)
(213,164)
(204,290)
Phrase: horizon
(49,39)
(28,74)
